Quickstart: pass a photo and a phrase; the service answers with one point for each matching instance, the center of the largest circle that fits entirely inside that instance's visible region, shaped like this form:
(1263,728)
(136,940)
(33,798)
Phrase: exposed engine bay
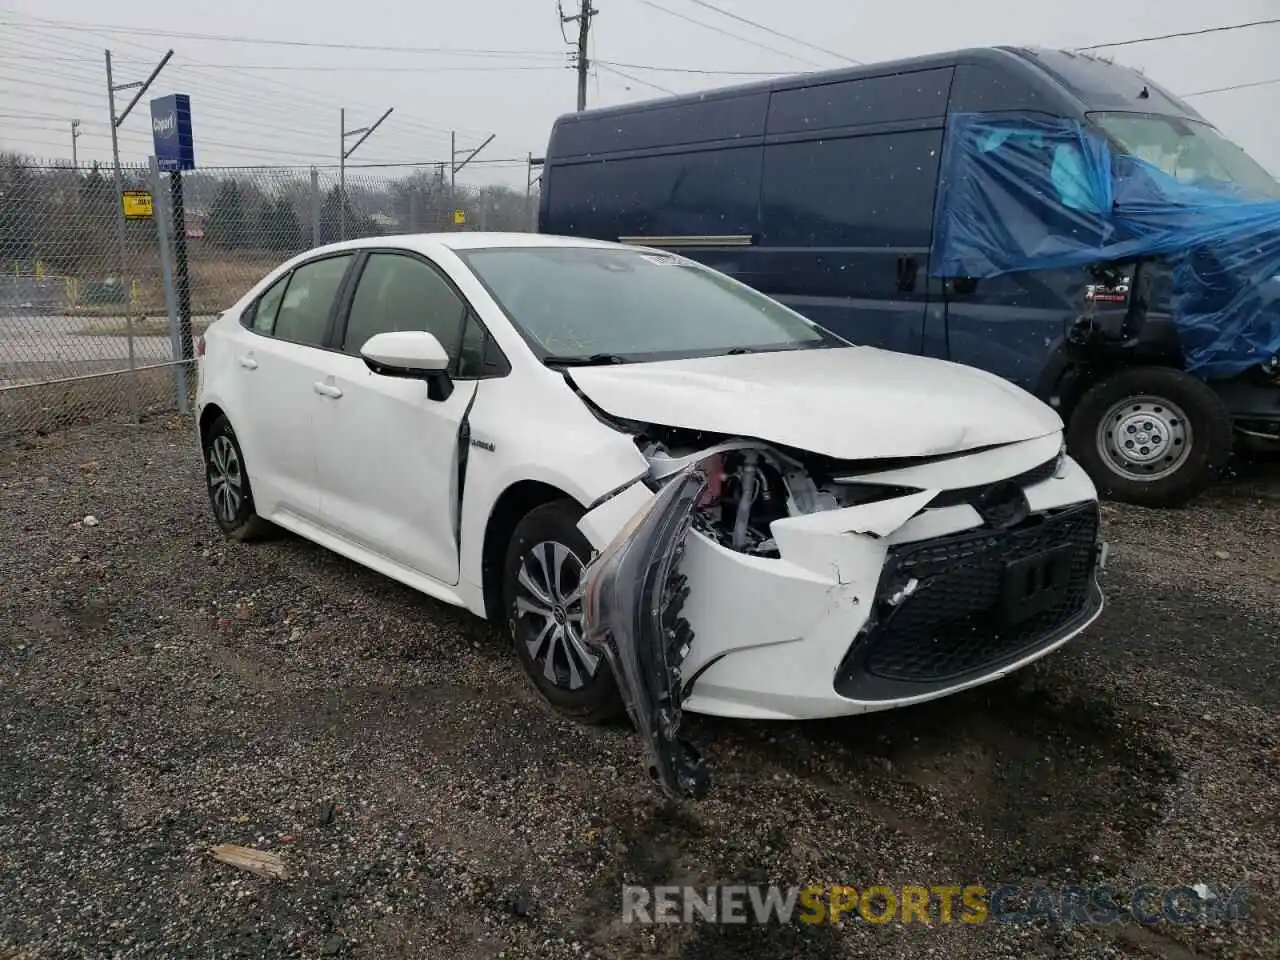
(751,484)
(731,491)
(647,599)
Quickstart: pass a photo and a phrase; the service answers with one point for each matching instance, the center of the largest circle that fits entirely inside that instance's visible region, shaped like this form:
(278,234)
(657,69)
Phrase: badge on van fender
(1107,292)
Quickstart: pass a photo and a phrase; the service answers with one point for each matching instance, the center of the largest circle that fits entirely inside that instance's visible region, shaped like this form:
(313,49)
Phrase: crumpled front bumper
(867,608)
(633,597)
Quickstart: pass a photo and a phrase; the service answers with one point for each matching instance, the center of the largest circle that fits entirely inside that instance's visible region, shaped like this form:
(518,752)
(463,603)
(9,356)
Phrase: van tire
(1152,436)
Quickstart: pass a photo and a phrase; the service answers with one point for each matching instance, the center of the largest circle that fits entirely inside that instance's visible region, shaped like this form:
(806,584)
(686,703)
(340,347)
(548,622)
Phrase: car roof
(469,240)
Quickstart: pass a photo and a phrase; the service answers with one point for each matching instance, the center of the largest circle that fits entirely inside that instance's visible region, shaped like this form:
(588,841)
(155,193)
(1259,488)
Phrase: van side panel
(849,179)
(1009,325)
(720,117)
(707,191)
(685,169)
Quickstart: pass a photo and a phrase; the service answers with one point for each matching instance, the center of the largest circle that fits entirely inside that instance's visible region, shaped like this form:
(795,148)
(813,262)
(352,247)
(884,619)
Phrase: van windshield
(1186,150)
(619,305)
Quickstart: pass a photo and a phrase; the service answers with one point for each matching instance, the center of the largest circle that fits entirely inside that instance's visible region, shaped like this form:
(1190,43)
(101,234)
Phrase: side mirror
(411,354)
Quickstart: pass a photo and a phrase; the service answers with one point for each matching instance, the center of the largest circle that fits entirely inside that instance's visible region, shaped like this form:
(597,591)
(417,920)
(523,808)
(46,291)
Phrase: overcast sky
(506,70)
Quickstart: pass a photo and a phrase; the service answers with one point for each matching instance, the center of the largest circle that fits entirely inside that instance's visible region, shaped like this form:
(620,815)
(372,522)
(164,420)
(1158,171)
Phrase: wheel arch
(210,412)
(1066,378)
(511,506)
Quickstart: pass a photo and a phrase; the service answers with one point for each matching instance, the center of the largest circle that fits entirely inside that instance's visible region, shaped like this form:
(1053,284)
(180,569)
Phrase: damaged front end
(819,587)
(633,596)
(634,592)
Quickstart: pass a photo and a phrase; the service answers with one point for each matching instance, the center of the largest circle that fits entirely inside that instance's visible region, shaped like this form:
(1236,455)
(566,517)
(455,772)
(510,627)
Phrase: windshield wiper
(594,360)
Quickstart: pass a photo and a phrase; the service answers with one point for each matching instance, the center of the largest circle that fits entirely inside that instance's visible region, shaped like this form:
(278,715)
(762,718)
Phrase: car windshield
(1186,150)
(603,304)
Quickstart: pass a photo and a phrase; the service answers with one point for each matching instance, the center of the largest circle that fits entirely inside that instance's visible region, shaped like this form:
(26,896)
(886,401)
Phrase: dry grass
(47,407)
(217,280)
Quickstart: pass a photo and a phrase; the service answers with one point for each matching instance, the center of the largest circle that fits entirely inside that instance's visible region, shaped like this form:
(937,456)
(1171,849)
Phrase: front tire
(541,579)
(230,494)
(1152,436)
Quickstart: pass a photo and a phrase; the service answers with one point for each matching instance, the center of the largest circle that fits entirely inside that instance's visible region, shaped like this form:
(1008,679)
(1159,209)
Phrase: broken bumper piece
(874,606)
(634,594)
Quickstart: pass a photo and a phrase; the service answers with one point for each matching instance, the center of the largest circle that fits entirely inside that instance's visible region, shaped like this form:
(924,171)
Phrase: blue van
(830,192)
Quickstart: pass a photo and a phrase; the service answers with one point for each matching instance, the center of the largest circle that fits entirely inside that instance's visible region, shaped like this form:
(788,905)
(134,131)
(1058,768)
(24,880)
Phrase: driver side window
(398,292)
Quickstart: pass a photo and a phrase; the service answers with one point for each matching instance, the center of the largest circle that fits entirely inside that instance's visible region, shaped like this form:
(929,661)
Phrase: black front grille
(958,621)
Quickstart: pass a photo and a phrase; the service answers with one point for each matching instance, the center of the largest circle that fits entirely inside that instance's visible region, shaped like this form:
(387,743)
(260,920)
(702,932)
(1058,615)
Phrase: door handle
(326,389)
(249,363)
(908,268)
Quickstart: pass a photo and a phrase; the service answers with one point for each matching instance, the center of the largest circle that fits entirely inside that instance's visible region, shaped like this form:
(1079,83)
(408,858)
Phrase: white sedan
(783,525)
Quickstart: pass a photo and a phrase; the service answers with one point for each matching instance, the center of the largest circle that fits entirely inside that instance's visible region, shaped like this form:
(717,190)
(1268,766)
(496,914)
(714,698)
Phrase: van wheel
(1153,436)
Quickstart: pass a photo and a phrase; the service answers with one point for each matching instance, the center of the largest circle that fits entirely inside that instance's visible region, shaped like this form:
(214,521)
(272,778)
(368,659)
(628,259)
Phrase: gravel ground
(163,690)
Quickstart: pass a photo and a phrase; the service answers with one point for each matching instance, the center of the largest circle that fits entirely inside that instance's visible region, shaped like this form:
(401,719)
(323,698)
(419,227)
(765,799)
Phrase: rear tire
(1152,436)
(227,480)
(545,560)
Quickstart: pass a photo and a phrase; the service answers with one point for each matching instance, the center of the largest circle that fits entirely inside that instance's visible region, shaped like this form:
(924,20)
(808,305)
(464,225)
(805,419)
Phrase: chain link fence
(97,312)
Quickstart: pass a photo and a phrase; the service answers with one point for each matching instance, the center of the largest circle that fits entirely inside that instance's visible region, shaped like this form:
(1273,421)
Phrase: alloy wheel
(549,615)
(226,479)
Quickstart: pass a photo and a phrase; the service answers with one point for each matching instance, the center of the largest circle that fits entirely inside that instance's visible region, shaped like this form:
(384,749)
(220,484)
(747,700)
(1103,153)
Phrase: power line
(328,68)
(626,76)
(777,33)
(1233,86)
(725,33)
(374,68)
(1174,36)
(252,91)
(81,27)
(648,68)
(297,95)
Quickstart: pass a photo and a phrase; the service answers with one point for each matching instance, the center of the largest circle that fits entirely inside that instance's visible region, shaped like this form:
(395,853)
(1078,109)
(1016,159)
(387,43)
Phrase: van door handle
(249,363)
(908,270)
(326,389)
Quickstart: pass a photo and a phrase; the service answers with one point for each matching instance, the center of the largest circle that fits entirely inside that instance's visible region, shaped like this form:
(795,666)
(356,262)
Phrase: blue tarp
(1031,192)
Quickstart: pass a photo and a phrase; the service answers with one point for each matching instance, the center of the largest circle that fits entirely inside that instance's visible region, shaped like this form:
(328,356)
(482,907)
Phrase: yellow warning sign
(137,205)
(459,217)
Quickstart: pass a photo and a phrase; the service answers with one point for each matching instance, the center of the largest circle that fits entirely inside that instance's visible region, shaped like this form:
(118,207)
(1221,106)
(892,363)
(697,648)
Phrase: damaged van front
(828,565)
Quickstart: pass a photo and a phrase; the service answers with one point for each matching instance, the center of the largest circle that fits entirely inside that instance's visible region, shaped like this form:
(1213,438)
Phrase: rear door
(279,359)
(388,454)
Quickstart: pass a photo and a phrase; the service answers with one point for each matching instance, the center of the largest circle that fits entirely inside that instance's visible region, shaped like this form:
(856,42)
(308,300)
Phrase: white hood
(849,403)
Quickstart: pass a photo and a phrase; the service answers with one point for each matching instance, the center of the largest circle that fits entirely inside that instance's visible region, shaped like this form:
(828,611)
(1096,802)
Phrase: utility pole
(530,179)
(455,165)
(75,135)
(343,153)
(116,120)
(583,18)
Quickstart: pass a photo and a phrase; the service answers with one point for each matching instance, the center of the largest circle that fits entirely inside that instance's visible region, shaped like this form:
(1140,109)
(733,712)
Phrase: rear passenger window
(398,292)
(856,191)
(264,314)
(303,315)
